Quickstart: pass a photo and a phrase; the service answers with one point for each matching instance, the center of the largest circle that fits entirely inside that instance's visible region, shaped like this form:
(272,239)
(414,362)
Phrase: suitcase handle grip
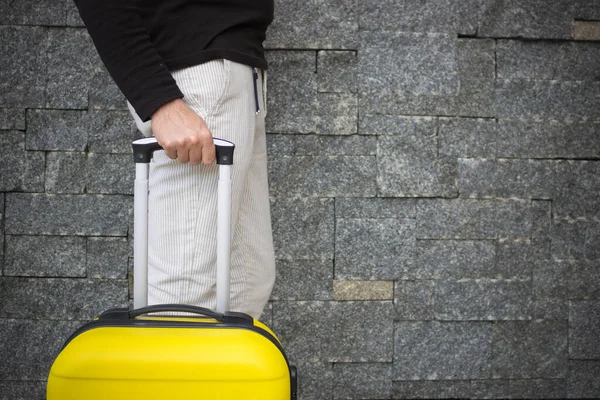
(229,317)
(144,148)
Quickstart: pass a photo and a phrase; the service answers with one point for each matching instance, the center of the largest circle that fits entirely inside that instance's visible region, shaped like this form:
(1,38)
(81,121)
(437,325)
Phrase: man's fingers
(208,151)
(195,155)
(183,155)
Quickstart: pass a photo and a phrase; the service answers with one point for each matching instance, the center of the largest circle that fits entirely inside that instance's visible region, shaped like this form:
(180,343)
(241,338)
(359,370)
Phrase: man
(192,69)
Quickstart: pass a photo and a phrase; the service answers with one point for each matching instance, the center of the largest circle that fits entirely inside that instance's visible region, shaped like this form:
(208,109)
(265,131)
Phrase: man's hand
(183,134)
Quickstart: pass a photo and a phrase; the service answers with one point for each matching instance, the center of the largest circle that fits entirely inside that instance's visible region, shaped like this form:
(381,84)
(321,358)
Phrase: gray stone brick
(29,348)
(374,248)
(303,280)
(482,299)
(566,279)
(22,390)
(442,350)
(431,389)
(583,379)
(337,114)
(2,240)
(415,128)
(111,132)
(72,18)
(375,208)
(65,172)
(44,12)
(458,259)
(282,144)
(548,60)
(584,326)
(407,64)
(292,100)
(578,190)
(344,290)
(552,100)
(57,130)
(107,257)
(303,229)
(104,92)
(336,71)
(12,118)
(490,389)
(331,24)
(414,300)
(315,380)
(12,160)
(110,174)
(476,64)
(473,219)
(322,176)
(586,9)
(53,298)
(23,65)
(353,145)
(529,350)
(575,239)
(542,218)
(34,172)
(57,256)
(538,389)
(362,381)
(586,30)
(468,137)
(551,289)
(515,258)
(526,19)
(35,214)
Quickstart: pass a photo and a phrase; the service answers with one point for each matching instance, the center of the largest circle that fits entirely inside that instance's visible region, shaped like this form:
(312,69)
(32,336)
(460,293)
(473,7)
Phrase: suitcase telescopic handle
(143,149)
(227,317)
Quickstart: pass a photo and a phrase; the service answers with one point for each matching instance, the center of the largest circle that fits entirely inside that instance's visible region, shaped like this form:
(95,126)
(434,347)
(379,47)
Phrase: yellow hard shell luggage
(129,354)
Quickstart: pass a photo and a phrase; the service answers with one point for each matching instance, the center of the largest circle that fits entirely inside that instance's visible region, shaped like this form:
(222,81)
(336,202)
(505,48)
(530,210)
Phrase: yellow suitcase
(128,354)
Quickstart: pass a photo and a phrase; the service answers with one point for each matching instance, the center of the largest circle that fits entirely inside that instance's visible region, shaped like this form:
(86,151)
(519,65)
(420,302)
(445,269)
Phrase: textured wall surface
(435,183)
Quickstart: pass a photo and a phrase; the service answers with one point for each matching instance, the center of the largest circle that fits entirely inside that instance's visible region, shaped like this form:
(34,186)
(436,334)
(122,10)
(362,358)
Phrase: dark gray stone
(22,390)
(468,137)
(65,172)
(57,130)
(552,100)
(374,248)
(336,71)
(584,328)
(331,24)
(529,350)
(337,114)
(419,130)
(538,389)
(414,300)
(303,229)
(431,389)
(23,66)
(12,160)
(490,389)
(2,242)
(578,190)
(515,258)
(107,257)
(473,219)
(43,12)
(548,60)
(566,279)
(362,381)
(28,350)
(375,208)
(526,19)
(322,176)
(583,379)
(104,92)
(586,10)
(54,298)
(12,118)
(267,315)
(315,380)
(303,280)
(482,299)
(542,218)
(353,145)
(35,214)
(476,64)
(110,173)
(111,132)
(57,256)
(34,173)
(442,350)
(575,239)
(282,144)
(292,100)
(73,18)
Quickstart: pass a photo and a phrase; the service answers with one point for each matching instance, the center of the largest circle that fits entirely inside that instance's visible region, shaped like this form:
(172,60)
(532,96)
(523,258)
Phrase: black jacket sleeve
(125,47)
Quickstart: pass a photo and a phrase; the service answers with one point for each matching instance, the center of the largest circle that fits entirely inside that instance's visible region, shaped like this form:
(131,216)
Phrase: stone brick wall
(435,182)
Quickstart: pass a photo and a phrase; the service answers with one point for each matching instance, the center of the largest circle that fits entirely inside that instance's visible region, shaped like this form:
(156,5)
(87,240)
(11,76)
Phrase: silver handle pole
(223,237)
(140,236)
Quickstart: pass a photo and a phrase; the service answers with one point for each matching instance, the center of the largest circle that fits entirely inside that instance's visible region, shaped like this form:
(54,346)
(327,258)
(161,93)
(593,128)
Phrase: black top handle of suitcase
(229,317)
(143,149)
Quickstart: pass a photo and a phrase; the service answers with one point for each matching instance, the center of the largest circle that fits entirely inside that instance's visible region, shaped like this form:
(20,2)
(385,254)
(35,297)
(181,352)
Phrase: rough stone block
(547,60)
(473,219)
(538,389)
(362,381)
(303,280)
(419,130)
(29,348)
(584,326)
(476,60)
(467,137)
(586,30)
(35,214)
(315,25)
(107,257)
(443,259)
(111,132)
(303,229)
(316,378)
(43,12)
(65,172)
(322,176)
(23,65)
(431,390)
(515,258)
(103,91)
(22,390)
(344,290)
(578,190)
(57,130)
(12,118)
(490,389)
(375,208)
(374,248)
(337,114)
(586,9)
(110,174)
(583,379)
(353,145)
(281,144)
(575,239)
(482,299)
(526,19)
(336,71)
(57,256)
(73,18)
(12,160)
(34,173)
(542,218)
(414,300)
(54,298)
(529,350)
(292,100)
(442,350)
